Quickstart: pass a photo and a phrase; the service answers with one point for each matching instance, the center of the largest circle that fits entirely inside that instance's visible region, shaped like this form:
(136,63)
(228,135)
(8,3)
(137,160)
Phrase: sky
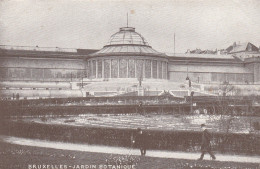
(204,24)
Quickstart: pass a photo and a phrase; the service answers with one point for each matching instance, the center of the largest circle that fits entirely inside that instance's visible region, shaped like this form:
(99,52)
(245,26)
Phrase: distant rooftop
(242,47)
(209,56)
(37,48)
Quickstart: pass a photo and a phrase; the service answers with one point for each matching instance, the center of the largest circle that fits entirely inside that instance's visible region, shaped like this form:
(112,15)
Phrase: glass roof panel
(127,35)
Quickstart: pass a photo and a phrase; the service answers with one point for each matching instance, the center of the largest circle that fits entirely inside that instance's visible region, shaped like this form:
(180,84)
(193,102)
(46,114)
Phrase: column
(42,74)
(166,70)
(143,68)
(135,69)
(103,67)
(96,69)
(162,71)
(157,69)
(118,68)
(127,64)
(151,69)
(110,68)
(163,68)
(90,69)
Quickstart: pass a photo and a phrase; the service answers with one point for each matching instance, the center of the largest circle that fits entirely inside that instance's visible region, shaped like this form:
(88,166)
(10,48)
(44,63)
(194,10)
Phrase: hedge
(188,141)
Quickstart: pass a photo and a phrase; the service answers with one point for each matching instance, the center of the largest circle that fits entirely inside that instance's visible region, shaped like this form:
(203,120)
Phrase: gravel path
(125,151)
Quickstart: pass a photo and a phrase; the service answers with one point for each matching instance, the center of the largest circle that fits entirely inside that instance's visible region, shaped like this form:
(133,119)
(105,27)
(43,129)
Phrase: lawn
(23,157)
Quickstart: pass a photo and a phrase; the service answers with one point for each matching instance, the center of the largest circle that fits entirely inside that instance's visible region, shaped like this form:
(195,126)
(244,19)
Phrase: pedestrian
(140,141)
(205,143)
(140,108)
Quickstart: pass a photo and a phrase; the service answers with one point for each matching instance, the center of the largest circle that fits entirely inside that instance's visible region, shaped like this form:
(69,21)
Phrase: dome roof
(127,36)
(128,49)
(127,42)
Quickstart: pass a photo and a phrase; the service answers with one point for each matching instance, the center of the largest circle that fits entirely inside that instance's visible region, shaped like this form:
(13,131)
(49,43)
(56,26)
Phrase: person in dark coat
(140,141)
(140,108)
(205,145)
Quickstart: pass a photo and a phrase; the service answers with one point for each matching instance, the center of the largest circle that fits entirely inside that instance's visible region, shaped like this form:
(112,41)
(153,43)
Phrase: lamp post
(190,93)
(82,82)
(140,79)
(189,81)
(191,105)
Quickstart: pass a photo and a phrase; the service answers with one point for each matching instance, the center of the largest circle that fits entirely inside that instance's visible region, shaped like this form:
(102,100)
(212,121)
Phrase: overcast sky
(204,24)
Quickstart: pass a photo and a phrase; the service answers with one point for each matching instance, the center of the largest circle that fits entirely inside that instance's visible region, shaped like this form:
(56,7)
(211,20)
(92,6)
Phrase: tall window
(114,68)
(107,68)
(221,77)
(160,69)
(147,69)
(239,77)
(4,72)
(38,74)
(131,68)
(154,69)
(90,69)
(122,68)
(28,73)
(94,69)
(86,71)
(99,63)
(231,77)
(214,77)
(164,70)
(248,78)
(139,68)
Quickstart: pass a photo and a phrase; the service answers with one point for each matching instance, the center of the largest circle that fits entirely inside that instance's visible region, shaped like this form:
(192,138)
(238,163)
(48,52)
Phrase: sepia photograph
(121,84)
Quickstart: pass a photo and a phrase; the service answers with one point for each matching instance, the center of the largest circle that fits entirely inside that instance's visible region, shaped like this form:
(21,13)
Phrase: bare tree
(225,105)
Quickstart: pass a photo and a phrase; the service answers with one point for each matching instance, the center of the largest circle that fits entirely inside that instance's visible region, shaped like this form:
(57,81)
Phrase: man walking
(205,145)
(140,108)
(140,141)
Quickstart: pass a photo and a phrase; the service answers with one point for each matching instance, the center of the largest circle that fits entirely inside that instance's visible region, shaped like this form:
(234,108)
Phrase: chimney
(234,44)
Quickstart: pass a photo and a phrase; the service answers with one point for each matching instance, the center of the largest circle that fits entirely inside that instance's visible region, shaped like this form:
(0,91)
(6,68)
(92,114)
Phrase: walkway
(125,151)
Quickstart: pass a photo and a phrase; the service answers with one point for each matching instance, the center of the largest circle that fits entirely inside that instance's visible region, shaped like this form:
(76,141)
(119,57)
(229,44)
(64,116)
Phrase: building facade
(127,55)
(125,61)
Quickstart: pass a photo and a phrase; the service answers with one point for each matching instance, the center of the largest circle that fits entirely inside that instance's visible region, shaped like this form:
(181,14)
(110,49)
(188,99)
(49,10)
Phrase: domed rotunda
(127,55)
